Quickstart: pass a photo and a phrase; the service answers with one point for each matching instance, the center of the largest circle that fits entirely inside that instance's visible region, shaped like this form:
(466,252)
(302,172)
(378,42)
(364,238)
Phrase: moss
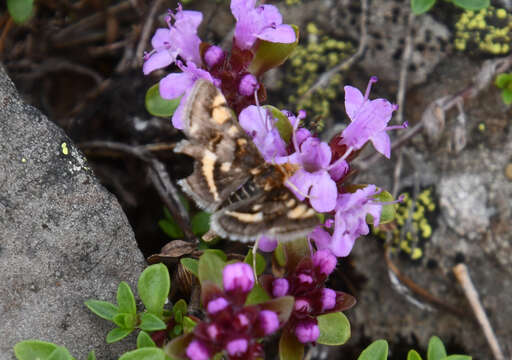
(487,31)
(412,227)
(315,54)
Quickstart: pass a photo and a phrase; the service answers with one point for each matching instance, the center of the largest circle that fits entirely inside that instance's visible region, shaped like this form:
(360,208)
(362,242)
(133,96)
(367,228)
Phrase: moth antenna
(294,187)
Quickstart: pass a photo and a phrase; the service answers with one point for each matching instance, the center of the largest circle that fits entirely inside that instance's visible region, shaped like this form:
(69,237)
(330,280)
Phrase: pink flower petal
(323,193)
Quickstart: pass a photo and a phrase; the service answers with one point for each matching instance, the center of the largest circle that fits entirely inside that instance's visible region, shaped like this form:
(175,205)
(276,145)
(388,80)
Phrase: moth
(246,195)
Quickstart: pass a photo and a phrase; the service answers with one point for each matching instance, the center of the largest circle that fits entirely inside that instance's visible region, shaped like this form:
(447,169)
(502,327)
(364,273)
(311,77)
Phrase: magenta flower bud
(242,319)
(307,331)
(248,85)
(269,321)
(328,299)
(238,276)
(302,305)
(280,287)
(325,261)
(237,347)
(216,305)
(213,331)
(196,350)
(214,56)
(305,279)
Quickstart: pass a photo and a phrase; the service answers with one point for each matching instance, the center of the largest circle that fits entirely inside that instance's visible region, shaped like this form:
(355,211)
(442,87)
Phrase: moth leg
(254,253)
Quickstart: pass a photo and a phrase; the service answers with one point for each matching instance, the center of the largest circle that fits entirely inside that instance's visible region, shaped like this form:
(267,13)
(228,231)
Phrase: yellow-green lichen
(64,148)
(486,31)
(413,226)
(293,2)
(315,55)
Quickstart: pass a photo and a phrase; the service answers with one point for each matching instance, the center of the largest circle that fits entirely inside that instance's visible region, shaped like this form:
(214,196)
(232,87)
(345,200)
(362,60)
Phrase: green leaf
(153,286)
(280,255)
(125,299)
(125,321)
(91,355)
(157,106)
(270,55)
(506,95)
(436,350)
(218,252)
(33,350)
(334,329)
(20,10)
(472,4)
(60,353)
(388,210)
(117,334)
(188,324)
(283,124)
(150,322)
(146,353)
(503,80)
(290,348)
(420,6)
(377,350)
(261,264)
(457,357)
(144,340)
(171,228)
(103,309)
(413,355)
(180,310)
(200,223)
(257,295)
(191,265)
(210,267)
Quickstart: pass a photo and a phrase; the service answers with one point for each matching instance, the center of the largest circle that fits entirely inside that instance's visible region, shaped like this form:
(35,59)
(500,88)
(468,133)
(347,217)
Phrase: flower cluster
(179,44)
(323,168)
(306,284)
(231,326)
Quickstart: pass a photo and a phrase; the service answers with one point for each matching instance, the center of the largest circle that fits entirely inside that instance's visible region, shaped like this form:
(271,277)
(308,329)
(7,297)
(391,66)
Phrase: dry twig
(462,275)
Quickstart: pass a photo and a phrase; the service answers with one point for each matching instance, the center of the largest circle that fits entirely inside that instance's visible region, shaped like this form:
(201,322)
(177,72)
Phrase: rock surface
(63,237)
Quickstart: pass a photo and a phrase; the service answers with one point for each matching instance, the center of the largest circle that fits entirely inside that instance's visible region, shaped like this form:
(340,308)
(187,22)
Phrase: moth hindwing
(246,195)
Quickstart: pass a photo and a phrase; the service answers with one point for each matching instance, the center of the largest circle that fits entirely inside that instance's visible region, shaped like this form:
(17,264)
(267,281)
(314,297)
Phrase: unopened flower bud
(268,320)
(238,277)
(216,305)
(302,305)
(280,287)
(242,319)
(237,347)
(305,279)
(307,331)
(328,299)
(325,261)
(248,85)
(213,331)
(196,350)
(267,244)
(214,56)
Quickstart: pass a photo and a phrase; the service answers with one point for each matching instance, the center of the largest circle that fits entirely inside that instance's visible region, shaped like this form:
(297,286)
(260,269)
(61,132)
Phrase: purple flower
(238,277)
(267,244)
(268,321)
(237,347)
(312,179)
(179,39)
(307,331)
(328,299)
(175,85)
(263,22)
(216,305)
(280,287)
(248,85)
(196,350)
(369,119)
(260,125)
(349,221)
(214,56)
(325,261)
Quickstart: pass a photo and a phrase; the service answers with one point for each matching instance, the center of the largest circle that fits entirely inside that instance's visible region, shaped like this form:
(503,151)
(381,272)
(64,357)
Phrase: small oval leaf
(472,4)
(257,295)
(413,355)
(144,340)
(150,322)
(60,353)
(290,348)
(33,349)
(117,334)
(261,264)
(158,106)
(125,299)
(20,10)
(421,6)
(103,309)
(153,286)
(144,354)
(436,350)
(334,329)
(210,268)
(191,265)
(377,350)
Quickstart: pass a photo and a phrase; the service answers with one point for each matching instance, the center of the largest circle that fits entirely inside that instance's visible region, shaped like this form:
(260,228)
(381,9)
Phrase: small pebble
(508,171)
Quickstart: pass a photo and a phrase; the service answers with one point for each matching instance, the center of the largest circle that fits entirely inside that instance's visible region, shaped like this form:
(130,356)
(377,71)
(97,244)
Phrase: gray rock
(63,237)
